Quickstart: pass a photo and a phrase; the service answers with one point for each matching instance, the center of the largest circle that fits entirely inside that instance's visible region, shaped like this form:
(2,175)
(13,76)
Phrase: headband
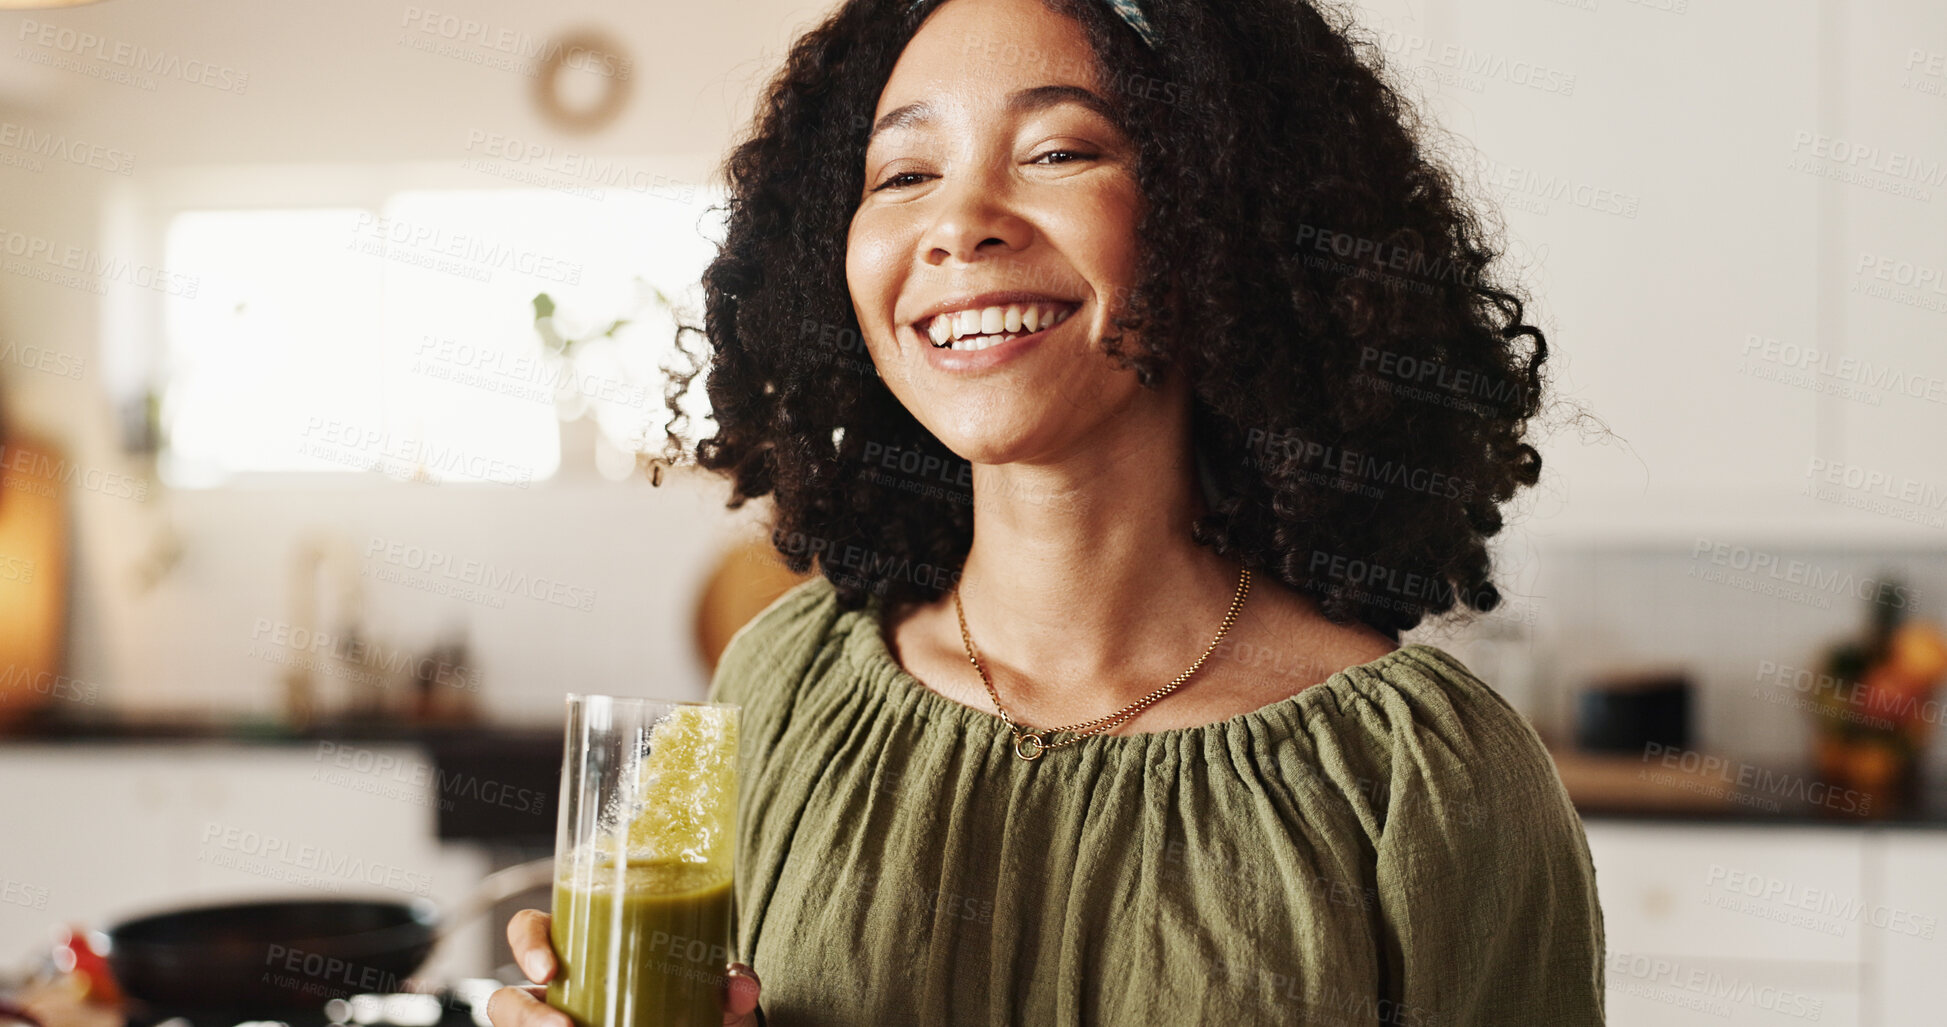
(1130,13)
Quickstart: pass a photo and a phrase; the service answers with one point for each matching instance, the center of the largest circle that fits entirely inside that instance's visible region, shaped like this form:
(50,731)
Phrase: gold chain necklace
(1030,744)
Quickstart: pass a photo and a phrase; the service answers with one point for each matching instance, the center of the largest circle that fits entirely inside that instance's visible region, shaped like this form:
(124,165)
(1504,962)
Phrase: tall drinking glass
(643,862)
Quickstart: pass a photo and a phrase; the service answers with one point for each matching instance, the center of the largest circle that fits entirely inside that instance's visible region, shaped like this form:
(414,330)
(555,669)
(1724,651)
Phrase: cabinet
(1733,228)
(1908,913)
(1769,924)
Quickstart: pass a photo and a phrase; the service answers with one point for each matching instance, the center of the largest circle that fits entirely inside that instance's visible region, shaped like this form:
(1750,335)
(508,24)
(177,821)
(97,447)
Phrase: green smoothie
(658,940)
(642,919)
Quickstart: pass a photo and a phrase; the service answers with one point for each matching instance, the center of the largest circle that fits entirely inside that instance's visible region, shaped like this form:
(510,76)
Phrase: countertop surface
(1729,791)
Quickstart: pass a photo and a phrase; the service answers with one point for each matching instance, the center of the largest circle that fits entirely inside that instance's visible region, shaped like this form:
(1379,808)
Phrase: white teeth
(988,323)
(976,345)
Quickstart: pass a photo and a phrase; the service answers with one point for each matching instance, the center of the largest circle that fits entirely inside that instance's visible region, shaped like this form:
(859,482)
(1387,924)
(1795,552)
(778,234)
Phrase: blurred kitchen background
(327,334)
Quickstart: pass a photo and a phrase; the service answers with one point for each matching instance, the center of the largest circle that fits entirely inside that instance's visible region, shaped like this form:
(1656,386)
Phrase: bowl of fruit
(1872,726)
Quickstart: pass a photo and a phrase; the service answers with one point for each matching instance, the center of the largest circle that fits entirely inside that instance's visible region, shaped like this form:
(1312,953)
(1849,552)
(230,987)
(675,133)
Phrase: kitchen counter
(106,726)
(1632,787)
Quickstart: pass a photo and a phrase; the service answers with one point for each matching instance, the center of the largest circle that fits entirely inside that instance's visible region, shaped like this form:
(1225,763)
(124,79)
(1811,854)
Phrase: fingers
(523,1007)
(527,934)
(741,988)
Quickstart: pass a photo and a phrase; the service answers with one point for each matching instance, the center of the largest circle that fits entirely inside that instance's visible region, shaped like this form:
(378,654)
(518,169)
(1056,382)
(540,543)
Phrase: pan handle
(494,889)
(502,885)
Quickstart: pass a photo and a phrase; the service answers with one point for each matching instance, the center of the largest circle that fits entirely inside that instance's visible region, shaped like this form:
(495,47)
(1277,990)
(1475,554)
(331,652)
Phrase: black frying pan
(257,960)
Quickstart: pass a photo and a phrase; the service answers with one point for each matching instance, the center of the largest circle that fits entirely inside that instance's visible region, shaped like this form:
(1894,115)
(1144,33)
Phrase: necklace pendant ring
(1028,745)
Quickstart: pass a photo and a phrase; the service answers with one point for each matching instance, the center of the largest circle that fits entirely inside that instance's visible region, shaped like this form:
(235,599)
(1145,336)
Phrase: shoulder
(1283,645)
(783,638)
(1486,886)
(1426,740)
(1420,692)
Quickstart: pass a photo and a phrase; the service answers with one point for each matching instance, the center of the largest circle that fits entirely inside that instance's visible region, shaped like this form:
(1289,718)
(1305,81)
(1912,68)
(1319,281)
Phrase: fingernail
(532,964)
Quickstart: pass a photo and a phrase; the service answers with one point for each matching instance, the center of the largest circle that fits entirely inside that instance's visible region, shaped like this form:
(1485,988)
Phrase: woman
(1185,389)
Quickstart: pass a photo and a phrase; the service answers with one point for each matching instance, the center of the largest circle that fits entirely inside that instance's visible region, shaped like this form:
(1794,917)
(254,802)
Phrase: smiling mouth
(969,331)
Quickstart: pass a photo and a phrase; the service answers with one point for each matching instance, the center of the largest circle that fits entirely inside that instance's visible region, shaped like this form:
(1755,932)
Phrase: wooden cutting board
(747,578)
(33,575)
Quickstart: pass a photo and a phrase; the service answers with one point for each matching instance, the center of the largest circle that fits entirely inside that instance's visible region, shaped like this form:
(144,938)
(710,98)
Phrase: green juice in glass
(642,905)
(656,939)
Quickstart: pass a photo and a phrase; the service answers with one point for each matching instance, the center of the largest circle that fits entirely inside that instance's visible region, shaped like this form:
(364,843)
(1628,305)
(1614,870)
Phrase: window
(408,340)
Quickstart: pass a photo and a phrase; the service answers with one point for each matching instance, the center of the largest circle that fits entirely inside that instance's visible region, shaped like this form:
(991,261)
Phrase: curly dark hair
(1361,382)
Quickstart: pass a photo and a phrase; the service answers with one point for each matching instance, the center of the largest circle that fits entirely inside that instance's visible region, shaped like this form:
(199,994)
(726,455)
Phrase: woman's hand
(525,1006)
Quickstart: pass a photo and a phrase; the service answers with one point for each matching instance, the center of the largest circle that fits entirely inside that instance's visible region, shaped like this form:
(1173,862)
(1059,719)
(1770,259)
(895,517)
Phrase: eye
(1074,155)
(895,181)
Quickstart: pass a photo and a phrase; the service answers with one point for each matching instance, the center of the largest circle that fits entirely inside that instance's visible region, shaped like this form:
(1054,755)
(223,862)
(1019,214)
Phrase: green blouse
(1390,846)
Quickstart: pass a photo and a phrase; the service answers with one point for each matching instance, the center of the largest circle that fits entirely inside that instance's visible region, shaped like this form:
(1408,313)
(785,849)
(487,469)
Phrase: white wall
(1674,173)
(339,85)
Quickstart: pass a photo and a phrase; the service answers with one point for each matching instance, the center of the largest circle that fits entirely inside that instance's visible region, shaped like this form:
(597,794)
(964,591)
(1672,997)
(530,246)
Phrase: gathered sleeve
(1487,909)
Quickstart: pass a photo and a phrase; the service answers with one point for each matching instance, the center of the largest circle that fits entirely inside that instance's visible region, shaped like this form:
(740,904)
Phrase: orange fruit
(1873,767)
(1918,652)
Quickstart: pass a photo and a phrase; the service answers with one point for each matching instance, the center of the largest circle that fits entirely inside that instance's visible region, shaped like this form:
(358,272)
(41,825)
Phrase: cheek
(1118,244)
(872,278)
(1099,237)
(871,266)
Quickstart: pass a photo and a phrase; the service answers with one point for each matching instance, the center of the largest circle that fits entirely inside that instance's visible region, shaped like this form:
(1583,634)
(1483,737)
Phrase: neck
(1082,579)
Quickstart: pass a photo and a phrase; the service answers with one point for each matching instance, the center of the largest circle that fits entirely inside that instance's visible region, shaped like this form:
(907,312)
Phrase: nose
(975,218)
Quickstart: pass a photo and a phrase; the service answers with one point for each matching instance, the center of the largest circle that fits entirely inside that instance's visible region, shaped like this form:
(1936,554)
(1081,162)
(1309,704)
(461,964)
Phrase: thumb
(741,990)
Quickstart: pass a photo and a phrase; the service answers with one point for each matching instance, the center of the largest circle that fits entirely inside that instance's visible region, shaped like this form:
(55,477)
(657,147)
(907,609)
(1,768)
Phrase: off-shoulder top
(1390,846)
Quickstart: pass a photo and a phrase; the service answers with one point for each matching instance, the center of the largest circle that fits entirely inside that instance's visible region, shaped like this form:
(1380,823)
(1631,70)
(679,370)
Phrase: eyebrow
(1021,101)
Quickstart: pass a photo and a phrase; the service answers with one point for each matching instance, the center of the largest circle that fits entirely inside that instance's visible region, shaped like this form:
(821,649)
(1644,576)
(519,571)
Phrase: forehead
(976,52)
